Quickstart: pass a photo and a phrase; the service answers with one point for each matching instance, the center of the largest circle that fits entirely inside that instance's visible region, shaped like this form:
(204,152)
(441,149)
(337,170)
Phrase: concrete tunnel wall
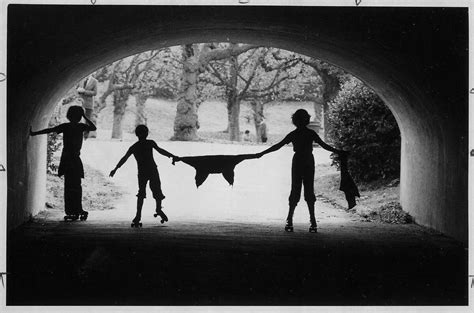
(415,59)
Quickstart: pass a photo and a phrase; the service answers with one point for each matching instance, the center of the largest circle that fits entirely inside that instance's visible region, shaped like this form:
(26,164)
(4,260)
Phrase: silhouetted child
(71,165)
(142,150)
(302,168)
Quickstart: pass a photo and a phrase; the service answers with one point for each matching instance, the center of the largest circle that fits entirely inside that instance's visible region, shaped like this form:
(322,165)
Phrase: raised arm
(121,162)
(276,146)
(90,125)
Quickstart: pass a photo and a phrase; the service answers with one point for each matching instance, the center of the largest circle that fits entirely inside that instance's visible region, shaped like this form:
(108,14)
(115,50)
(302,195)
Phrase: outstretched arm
(325,146)
(44,131)
(121,162)
(90,125)
(166,153)
(275,147)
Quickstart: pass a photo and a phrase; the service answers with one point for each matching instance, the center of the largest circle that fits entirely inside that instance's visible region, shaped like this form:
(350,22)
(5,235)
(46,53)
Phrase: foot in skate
(71,217)
(289,226)
(84,215)
(313,228)
(163,216)
(158,211)
(136,222)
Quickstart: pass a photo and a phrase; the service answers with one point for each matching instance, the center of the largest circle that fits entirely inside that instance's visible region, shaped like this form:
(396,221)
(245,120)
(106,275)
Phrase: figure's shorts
(302,175)
(155,184)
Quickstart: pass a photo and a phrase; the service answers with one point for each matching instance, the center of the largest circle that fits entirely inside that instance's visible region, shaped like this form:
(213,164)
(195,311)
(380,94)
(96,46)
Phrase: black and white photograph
(241,155)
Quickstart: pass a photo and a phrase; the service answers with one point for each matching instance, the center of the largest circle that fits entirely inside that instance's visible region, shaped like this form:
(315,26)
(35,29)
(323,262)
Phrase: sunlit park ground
(259,194)
(261,189)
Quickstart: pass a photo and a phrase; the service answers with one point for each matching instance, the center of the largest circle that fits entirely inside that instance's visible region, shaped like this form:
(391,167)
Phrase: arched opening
(144,89)
(426,123)
(401,60)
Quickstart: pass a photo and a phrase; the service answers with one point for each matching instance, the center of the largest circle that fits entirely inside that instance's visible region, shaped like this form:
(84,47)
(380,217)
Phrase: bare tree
(122,83)
(195,60)
(255,76)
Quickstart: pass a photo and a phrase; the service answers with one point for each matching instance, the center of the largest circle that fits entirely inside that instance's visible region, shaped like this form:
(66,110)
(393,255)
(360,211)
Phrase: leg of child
(142,181)
(68,202)
(291,211)
(310,198)
(138,216)
(295,193)
(155,186)
(312,218)
(72,194)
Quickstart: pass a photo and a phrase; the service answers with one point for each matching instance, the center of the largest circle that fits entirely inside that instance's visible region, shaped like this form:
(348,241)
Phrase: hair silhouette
(141,131)
(300,118)
(75,113)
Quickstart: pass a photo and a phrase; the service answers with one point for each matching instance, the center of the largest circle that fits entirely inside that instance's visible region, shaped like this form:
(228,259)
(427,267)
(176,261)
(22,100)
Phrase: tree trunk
(120,103)
(331,88)
(140,101)
(229,117)
(318,104)
(186,120)
(234,125)
(257,108)
(233,101)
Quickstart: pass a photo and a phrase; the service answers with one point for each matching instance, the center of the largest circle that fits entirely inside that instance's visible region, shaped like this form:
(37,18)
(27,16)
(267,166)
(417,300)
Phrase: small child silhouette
(302,168)
(142,150)
(71,165)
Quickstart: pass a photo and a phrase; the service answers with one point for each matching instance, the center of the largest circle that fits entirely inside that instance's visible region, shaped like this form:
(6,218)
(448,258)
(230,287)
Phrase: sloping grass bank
(379,201)
(98,193)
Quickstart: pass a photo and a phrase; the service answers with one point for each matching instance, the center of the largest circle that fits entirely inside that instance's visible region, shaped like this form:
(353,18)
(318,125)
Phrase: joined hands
(176,159)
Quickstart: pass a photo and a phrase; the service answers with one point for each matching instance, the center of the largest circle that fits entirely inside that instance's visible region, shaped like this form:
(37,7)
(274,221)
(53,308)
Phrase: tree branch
(219,76)
(246,59)
(219,54)
(252,75)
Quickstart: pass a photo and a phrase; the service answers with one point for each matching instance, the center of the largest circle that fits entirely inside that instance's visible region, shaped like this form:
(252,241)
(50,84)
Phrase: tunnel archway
(404,55)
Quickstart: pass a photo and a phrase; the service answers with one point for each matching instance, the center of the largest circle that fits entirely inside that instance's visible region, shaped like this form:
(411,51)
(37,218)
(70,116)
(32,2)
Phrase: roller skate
(71,217)
(289,226)
(136,222)
(83,216)
(313,228)
(162,214)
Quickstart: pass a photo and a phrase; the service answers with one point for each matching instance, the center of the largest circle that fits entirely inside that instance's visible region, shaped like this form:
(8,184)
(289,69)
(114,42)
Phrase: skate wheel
(162,221)
(155,215)
(313,230)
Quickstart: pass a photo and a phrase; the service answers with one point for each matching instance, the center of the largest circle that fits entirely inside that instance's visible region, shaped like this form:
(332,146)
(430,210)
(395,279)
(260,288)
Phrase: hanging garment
(216,164)
(347,183)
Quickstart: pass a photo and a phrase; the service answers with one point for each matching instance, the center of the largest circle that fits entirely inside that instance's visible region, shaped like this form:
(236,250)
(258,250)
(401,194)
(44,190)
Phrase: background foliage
(54,143)
(363,124)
